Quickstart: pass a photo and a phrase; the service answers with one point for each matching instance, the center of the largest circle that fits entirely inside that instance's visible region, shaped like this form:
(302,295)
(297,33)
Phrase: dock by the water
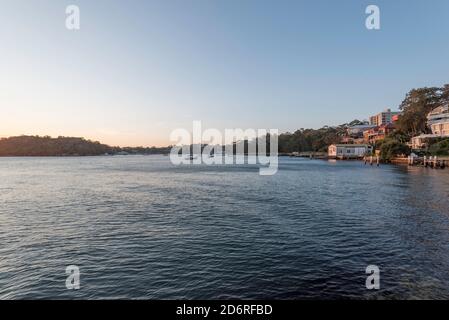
(426,161)
(372,160)
(307,154)
(434,162)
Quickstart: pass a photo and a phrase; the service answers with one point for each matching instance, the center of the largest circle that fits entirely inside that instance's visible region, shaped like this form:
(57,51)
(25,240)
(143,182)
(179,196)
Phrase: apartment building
(383,118)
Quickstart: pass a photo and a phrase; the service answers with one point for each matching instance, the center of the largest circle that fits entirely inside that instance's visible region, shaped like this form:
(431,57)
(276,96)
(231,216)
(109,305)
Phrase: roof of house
(431,135)
(351,145)
(439,110)
(362,126)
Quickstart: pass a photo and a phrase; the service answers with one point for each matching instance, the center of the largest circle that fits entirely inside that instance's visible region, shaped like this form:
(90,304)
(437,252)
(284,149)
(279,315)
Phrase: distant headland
(37,146)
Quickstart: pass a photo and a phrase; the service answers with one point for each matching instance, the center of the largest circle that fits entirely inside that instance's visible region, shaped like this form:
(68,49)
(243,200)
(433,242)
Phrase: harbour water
(140,228)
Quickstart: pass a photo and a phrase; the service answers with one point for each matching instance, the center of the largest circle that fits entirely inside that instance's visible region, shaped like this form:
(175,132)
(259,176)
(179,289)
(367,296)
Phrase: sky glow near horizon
(139,69)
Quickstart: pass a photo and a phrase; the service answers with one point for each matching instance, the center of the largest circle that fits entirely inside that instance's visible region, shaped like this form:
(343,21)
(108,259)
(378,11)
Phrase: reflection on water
(140,228)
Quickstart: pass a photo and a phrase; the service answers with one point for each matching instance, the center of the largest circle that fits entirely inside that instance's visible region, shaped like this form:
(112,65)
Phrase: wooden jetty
(434,162)
(371,160)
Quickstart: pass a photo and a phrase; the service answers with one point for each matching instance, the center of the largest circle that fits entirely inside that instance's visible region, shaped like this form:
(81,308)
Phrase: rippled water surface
(138,227)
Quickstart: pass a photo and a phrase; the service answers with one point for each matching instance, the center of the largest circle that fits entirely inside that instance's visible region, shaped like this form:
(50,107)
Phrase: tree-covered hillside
(65,146)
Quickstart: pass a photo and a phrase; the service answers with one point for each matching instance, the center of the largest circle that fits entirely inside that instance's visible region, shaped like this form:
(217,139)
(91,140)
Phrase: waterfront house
(375,134)
(357,130)
(354,134)
(421,141)
(438,122)
(349,151)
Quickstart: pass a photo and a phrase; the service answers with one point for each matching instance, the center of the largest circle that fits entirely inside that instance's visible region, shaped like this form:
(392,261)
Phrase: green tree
(390,148)
(440,148)
(416,106)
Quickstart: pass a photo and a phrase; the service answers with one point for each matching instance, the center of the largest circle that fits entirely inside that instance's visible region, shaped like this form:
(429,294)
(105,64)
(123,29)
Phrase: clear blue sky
(138,69)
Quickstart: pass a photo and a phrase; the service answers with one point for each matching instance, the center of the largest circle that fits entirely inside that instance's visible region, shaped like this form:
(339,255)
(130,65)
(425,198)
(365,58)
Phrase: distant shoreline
(83,156)
(37,146)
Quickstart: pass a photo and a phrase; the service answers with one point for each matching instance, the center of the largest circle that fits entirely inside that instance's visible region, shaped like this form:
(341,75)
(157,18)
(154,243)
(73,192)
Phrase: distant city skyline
(137,70)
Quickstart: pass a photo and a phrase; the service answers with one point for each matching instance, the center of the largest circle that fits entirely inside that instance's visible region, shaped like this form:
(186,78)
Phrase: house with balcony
(371,136)
(438,122)
(354,134)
